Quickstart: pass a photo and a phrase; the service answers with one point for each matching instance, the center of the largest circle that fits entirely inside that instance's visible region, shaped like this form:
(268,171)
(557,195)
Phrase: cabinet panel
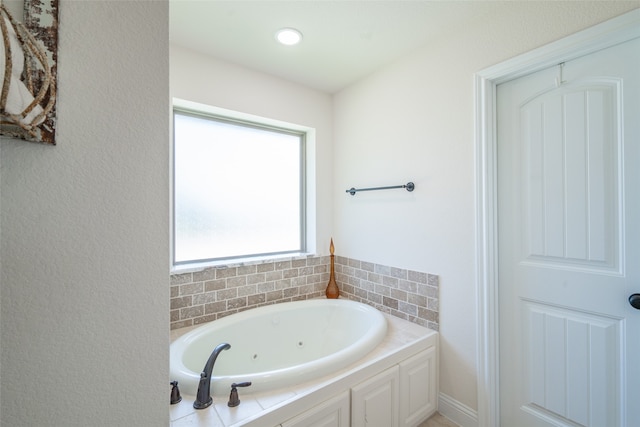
(375,401)
(331,413)
(418,383)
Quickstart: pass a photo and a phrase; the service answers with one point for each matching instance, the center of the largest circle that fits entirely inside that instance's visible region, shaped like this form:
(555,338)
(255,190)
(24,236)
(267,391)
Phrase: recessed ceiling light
(289,36)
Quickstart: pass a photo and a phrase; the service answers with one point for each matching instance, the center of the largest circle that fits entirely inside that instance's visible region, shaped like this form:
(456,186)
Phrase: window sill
(238,262)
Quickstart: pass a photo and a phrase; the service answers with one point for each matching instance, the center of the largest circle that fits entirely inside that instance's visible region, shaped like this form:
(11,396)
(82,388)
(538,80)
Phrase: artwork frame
(29,59)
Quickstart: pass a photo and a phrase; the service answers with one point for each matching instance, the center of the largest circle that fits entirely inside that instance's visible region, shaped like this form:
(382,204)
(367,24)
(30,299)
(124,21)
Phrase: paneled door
(569,242)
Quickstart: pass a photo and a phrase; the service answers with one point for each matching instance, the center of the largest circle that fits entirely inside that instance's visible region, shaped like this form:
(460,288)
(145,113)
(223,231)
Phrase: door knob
(634,300)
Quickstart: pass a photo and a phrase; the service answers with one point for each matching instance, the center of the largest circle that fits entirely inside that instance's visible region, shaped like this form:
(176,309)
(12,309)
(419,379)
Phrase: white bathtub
(278,345)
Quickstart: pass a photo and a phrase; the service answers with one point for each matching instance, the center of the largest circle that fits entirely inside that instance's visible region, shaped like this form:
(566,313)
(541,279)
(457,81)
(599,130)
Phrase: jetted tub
(278,345)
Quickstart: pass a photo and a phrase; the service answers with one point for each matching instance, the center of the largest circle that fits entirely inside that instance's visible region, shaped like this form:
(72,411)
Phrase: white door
(569,242)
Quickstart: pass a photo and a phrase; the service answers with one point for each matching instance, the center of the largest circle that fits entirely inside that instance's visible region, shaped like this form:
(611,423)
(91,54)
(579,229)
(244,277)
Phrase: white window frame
(308,217)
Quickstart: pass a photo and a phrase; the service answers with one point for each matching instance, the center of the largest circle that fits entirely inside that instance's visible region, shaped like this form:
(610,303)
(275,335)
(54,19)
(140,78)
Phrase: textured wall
(84,242)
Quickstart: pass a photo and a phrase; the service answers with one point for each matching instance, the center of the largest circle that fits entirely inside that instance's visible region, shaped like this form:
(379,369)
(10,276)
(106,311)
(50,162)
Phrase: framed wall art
(28,58)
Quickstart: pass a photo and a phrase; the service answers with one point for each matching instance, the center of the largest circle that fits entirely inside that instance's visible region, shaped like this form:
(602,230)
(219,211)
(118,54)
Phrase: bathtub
(278,345)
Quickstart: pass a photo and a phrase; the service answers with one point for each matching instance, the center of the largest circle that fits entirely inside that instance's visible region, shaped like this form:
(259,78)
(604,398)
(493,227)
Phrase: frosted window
(237,189)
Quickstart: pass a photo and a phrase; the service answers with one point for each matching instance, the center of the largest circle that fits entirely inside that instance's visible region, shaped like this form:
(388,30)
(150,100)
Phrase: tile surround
(202,296)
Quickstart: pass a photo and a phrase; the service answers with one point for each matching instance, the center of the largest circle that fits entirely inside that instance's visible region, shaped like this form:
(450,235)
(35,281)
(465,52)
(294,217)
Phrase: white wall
(200,78)
(414,120)
(84,246)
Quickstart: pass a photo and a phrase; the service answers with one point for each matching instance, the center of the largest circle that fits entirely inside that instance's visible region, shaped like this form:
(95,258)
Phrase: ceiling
(343,40)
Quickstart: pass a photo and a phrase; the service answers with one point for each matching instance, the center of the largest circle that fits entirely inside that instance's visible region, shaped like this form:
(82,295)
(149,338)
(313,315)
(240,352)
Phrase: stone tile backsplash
(203,296)
(406,294)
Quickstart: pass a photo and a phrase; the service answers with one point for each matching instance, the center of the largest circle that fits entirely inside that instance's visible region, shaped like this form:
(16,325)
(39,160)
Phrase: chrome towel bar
(409,186)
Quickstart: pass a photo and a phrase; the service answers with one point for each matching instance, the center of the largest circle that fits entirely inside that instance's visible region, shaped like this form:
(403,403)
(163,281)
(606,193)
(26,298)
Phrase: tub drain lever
(234,400)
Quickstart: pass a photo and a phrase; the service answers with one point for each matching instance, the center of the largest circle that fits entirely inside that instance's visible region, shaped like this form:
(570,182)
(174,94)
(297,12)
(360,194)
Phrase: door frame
(601,36)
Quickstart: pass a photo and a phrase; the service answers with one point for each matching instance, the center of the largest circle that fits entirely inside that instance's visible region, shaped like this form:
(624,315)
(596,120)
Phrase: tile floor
(438,420)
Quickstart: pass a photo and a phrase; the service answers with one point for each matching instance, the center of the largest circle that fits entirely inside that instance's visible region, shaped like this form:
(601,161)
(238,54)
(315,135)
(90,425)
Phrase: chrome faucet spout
(203,397)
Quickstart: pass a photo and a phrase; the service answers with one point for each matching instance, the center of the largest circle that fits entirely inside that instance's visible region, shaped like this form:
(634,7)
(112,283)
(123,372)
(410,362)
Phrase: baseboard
(457,412)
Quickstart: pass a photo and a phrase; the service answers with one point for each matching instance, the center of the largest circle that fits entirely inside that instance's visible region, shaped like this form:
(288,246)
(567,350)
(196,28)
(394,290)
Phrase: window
(238,189)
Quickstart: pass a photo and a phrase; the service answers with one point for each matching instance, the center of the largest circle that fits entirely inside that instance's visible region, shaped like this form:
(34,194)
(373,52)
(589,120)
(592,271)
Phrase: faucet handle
(175,393)
(234,400)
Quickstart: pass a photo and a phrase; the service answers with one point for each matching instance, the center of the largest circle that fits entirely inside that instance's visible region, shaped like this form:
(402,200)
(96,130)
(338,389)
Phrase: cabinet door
(331,413)
(374,403)
(418,388)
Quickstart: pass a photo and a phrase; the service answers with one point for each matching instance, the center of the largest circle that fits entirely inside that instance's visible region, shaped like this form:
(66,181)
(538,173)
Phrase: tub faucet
(203,398)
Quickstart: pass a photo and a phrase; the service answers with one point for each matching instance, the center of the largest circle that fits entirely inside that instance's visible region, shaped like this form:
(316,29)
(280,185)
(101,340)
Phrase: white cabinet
(401,396)
(404,395)
(331,413)
(375,401)
(418,386)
